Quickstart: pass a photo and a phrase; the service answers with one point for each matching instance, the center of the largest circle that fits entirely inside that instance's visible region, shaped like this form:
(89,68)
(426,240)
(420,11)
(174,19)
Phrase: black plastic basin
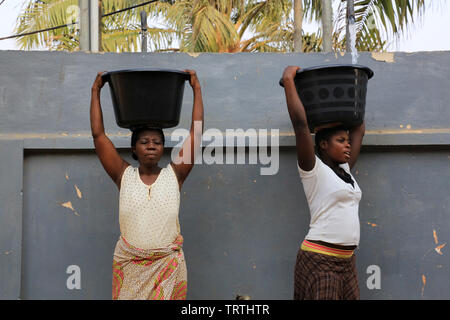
(147,97)
(333,93)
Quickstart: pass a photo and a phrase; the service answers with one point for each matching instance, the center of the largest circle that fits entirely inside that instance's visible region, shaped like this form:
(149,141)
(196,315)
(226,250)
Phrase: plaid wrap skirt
(323,277)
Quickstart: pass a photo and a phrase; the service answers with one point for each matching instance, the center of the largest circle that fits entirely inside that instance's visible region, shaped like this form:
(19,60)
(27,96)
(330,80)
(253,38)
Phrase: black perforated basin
(147,97)
(333,93)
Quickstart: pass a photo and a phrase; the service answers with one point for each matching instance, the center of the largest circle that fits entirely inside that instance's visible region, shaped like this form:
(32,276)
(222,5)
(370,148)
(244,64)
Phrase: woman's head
(333,143)
(147,144)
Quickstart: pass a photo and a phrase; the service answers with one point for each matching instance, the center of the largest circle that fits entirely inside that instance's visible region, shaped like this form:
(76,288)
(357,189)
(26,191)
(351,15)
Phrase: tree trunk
(144,31)
(90,25)
(298,21)
(327,25)
(350,19)
(84,25)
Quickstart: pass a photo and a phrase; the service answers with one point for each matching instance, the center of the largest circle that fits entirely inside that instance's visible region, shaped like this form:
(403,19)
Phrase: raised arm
(305,147)
(113,164)
(356,137)
(191,146)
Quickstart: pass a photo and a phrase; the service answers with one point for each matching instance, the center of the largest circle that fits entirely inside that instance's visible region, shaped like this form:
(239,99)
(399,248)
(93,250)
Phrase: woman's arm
(186,158)
(305,147)
(113,164)
(356,137)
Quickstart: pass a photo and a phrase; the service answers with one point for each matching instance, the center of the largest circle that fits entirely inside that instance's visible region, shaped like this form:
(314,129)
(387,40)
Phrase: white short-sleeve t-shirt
(333,205)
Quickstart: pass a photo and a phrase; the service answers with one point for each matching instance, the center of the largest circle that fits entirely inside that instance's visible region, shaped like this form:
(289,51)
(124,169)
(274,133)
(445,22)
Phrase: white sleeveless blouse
(148,215)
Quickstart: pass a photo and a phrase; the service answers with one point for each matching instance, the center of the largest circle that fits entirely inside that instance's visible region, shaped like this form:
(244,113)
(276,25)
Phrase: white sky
(431,33)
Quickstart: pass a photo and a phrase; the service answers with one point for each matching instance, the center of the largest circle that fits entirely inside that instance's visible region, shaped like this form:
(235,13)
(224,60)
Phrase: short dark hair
(326,134)
(137,131)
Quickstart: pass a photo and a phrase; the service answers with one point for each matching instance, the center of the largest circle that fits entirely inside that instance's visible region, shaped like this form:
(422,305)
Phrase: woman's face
(149,147)
(337,148)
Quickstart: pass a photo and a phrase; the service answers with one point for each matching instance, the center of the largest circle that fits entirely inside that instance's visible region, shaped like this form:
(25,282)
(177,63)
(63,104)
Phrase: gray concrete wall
(242,229)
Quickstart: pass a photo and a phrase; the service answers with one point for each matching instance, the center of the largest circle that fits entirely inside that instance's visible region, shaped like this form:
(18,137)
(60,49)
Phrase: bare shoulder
(173,167)
(306,156)
(125,165)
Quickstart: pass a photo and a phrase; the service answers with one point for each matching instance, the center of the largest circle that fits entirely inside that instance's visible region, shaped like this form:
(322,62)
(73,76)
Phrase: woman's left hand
(193,80)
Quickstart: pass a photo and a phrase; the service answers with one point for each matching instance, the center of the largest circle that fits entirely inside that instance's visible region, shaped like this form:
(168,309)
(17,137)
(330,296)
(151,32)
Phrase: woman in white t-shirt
(326,263)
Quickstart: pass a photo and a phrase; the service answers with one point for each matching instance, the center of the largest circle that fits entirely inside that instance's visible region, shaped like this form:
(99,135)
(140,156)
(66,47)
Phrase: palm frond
(216,25)
(38,15)
(379,21)
(312,10)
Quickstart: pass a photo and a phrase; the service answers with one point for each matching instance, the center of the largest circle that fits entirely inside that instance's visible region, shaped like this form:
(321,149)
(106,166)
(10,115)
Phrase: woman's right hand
(193,79)
(290,72)
(99,82)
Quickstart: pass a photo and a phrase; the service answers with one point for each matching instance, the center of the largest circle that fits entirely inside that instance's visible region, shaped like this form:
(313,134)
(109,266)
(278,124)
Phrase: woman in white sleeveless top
(148,259)
(326,263)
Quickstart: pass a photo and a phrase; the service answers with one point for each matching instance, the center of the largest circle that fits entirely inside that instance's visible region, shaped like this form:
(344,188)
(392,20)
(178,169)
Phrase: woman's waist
(148,236)
(126,250)
(335,237)
(329,249)
(333,245)
(139,243)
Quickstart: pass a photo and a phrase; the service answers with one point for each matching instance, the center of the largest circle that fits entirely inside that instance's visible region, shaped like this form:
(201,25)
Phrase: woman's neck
(149,169)
(333,165)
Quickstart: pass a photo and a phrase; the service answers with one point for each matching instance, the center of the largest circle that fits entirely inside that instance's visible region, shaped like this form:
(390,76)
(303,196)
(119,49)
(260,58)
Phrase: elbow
(300,125)
(358,130)
(362,129)
(197,126)
(197,133)
(97,134)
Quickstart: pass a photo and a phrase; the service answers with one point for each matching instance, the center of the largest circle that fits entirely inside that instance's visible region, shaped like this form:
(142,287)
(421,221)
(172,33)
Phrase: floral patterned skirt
(149,274)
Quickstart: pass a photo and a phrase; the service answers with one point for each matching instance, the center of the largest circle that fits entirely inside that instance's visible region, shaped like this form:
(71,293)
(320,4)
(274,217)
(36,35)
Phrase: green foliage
(38,15)
(214,25)
(378,22)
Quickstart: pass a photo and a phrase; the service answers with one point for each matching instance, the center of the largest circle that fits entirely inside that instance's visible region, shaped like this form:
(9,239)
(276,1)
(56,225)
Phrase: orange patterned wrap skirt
(149,274)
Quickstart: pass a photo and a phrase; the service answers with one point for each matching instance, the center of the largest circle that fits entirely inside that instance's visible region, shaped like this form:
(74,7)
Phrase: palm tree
(227,25)
(378,22)
(120,32)
(298,21)
(197,25)
(217,25)
(327,25)
(38,15)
